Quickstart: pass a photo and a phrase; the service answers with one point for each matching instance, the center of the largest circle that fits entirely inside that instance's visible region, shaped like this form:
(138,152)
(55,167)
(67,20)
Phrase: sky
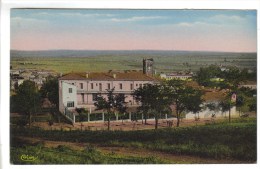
(190,30)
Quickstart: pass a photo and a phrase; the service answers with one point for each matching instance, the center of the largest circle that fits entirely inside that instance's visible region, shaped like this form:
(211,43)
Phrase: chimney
(114,75)
(87,74)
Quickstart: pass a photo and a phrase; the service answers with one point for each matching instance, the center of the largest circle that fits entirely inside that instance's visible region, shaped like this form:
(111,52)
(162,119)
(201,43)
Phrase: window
(70,90)
(92,86)
(82,97)
(70,104)
(136,85)
(72,83)
(131,86)
(108,86)
(94,96)
(120,86)
(81,85)
(100,86)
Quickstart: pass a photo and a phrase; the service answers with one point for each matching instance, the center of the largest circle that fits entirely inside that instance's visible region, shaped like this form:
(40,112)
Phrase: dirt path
(136,152)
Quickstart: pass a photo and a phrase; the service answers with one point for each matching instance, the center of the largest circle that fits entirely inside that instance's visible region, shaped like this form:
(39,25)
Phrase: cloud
(136,18)
(85,15)
(48,16)
(27,21)
(184,24)
(194,24)
(70,14)
(226,19)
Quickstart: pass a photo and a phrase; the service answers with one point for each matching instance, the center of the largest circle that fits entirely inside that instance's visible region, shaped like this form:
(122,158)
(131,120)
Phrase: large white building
(79,90)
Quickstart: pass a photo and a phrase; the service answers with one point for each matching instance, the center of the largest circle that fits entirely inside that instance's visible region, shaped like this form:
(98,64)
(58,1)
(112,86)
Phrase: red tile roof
(124,76)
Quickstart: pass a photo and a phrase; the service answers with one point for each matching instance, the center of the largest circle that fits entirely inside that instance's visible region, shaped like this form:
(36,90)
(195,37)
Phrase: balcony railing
(104,91)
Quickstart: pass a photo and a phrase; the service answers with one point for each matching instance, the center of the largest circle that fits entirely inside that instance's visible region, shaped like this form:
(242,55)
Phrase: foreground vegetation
(65,155)
(234,141)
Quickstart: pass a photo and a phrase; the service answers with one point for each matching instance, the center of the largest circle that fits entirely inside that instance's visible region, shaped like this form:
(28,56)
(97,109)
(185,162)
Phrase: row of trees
(28,98)
(173,96)
(156,99)
(231,77)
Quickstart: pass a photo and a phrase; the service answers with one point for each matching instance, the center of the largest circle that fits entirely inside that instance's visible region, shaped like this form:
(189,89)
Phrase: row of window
(94,98)
(108,86)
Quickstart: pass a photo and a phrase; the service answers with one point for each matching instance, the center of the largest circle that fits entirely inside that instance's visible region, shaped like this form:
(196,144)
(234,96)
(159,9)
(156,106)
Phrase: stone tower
(148,68)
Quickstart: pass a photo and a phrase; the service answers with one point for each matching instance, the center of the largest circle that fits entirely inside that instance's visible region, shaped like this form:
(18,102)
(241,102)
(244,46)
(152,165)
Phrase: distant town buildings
(179,76)
(17,77)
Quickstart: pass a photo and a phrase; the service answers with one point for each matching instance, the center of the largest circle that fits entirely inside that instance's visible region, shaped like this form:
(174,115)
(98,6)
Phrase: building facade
(79,90)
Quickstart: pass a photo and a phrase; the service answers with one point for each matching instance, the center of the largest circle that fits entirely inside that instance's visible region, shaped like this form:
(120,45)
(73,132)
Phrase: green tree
(227,104)
(233,77)
(240,101)
(153,98)
(26,100)
(112,104)
(83,114)
(50,90)
(214,106)
(253,105)
(141,95)
(205,74)
(185,98)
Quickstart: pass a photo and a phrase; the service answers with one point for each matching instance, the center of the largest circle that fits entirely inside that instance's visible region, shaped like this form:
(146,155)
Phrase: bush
(83,114)
(22,122)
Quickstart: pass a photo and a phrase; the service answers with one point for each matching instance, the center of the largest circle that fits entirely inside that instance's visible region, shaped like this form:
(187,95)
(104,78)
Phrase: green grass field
(66,155)
(126,61)
(229,141)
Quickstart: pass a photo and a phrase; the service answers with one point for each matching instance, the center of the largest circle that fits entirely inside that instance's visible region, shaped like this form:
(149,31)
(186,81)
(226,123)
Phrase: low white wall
(207,114)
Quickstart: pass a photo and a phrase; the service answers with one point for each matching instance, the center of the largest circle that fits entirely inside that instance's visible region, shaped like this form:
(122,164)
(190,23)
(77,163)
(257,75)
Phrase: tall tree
(111,104)
(240,101)
(253,105)
(185,98)
(227,104)
(50,90)
(214,106)
(142,95)
(233,76)
(205,74)
(153,98)
(27,100)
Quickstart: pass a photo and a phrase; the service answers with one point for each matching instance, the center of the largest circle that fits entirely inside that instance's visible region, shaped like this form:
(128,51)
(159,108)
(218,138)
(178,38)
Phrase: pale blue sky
(209,30)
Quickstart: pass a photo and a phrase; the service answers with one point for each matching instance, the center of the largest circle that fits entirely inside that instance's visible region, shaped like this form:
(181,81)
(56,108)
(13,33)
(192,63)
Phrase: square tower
(148,68)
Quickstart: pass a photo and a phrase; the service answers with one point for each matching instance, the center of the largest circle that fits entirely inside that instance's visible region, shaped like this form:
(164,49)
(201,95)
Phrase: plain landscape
(203,142)
(64,61)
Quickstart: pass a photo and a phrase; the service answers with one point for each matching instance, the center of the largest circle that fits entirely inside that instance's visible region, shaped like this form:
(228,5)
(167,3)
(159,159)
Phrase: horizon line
(43,50)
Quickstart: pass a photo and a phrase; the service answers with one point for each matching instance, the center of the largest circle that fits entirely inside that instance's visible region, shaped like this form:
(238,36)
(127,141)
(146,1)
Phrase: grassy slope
(219,141)
(66,155)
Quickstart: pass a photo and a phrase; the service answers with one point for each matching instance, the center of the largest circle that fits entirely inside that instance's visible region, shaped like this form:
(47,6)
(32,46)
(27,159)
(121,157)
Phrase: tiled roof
(109,76)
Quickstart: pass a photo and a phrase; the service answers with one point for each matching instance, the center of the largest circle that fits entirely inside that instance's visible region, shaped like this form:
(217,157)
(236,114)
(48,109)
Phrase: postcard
(132,86)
